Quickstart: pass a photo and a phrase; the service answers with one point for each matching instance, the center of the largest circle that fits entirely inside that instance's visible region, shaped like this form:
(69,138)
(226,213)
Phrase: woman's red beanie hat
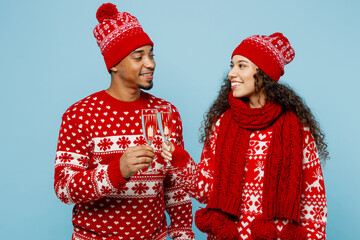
(269,53)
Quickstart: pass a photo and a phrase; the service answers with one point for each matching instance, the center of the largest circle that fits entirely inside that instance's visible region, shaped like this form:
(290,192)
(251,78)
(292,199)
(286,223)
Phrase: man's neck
(123,93)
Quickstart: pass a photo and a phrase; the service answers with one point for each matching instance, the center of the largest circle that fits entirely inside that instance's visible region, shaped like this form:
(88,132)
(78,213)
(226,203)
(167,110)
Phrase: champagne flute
(164,113)
(149,126)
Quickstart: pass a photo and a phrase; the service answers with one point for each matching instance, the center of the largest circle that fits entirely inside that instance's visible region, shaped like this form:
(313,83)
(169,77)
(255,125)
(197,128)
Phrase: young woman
(260,172)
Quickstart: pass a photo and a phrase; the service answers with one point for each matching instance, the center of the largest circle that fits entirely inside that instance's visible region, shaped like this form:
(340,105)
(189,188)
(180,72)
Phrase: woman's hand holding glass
(165,124)
(167,150)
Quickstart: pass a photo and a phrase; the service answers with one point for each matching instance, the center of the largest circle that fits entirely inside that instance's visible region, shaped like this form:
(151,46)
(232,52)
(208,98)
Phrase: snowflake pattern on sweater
(197,180)
(93,135)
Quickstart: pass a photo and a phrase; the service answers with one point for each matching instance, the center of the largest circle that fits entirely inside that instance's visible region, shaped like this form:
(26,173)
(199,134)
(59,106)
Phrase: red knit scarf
(282,173)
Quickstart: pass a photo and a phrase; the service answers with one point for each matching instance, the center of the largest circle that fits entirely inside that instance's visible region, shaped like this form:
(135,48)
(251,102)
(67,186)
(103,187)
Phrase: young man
(102,156)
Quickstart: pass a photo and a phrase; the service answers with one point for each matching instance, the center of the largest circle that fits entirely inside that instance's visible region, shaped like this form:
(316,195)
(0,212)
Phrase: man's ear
(114,68)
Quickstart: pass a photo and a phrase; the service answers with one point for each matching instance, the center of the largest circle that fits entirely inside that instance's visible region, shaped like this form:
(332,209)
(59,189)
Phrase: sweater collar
(122,105)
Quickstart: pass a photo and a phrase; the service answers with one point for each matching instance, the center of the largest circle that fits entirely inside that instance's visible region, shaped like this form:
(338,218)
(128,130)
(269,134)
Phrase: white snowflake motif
(253,203)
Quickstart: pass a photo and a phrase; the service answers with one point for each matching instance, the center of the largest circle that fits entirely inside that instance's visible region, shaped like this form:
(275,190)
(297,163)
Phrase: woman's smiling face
(242,79)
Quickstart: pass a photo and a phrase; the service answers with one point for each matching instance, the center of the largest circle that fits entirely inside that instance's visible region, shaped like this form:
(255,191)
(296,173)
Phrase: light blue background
(49,60)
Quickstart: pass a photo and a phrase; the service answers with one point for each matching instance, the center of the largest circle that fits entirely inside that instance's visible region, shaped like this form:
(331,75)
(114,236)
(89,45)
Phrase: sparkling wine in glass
(149,125)
(164,113)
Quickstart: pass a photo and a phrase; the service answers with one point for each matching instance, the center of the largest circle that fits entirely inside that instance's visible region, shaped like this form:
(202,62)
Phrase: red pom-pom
(106,11)
(293,232)
(262,229)
(216,223)
(203,220)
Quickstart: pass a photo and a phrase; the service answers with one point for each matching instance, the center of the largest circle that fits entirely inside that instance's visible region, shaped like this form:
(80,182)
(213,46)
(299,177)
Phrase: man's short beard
(146,87)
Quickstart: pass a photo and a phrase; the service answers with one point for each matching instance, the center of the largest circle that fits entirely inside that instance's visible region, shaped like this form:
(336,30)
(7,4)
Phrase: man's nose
(149,63)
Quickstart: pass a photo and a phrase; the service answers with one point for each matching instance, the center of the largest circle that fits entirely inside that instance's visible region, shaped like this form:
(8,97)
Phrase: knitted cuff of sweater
(180,157)
(226,202)
(115,176)
(181,233)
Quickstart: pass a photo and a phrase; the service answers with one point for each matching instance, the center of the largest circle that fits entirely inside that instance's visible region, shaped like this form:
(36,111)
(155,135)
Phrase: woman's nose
(231,74)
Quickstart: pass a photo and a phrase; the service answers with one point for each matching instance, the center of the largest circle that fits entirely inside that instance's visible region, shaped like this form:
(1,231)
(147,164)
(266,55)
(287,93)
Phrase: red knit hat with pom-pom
(269,53)
(118,34)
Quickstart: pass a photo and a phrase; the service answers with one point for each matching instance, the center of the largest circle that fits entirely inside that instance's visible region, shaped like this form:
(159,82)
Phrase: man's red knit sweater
(94,133)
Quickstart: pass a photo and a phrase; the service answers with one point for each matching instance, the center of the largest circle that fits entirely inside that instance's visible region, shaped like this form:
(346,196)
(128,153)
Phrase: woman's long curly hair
(281,94)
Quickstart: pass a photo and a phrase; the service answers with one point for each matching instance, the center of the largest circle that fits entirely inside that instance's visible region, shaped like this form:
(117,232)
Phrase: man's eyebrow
(137,51)
(141,51)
